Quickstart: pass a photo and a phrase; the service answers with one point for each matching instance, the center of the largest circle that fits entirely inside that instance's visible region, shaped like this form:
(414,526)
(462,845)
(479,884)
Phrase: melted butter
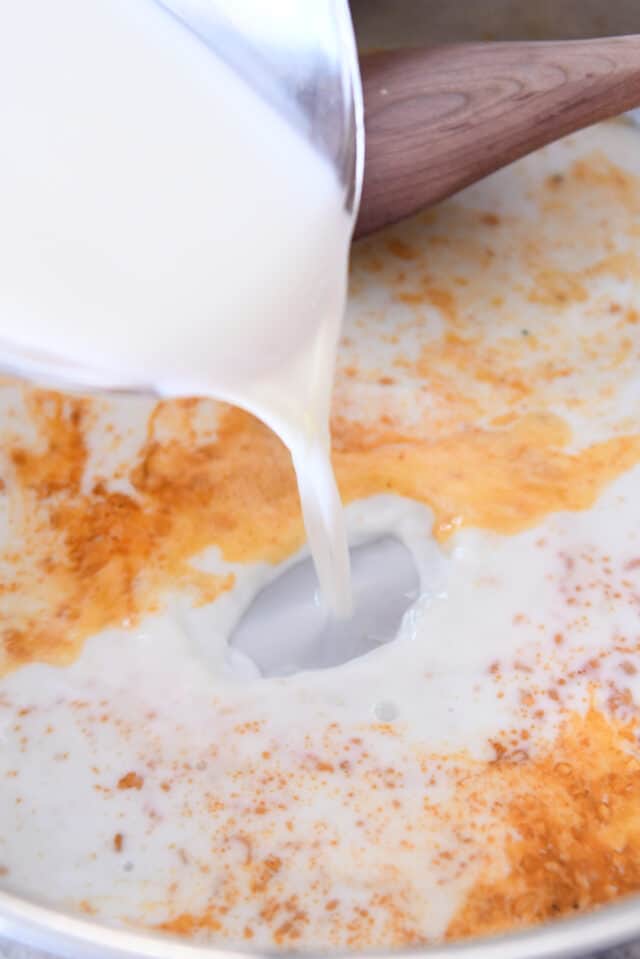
(95,558)
(566,810)
(492,319)
(117,554)
(574,821)
(503,480)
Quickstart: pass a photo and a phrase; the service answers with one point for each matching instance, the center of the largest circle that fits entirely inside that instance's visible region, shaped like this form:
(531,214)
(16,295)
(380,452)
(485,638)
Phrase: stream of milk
(163,227)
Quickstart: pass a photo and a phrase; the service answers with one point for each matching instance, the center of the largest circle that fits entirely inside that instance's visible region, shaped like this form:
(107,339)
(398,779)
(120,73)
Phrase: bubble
(385,711)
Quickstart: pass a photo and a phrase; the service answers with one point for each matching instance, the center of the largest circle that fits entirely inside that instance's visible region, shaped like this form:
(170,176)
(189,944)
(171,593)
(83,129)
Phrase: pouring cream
(163,227)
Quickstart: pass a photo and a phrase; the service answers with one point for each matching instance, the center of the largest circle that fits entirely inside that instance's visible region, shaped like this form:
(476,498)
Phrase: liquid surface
(163,227)
(478,772)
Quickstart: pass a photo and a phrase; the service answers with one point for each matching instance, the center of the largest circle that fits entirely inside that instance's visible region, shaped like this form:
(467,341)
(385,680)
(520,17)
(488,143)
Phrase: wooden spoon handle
(438,119)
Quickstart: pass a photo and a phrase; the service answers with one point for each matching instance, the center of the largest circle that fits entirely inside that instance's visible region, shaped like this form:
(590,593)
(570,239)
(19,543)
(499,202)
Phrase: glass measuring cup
(299,57)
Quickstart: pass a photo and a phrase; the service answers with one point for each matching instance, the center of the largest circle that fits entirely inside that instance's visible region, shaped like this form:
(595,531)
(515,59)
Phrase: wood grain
(437,119)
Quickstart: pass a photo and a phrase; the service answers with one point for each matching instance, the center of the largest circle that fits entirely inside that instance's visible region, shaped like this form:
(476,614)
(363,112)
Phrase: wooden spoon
(437,119)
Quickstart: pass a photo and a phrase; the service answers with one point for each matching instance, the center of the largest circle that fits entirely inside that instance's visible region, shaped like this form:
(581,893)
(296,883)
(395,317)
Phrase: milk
(163,227)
